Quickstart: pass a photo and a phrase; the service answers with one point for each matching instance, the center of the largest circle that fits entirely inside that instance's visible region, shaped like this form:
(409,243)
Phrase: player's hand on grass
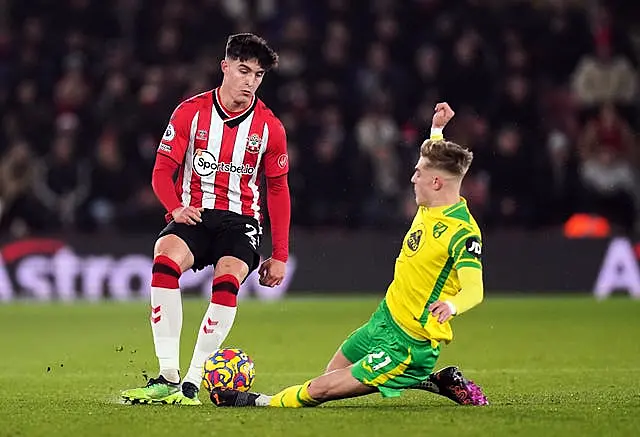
(442,115)
(187,215)
(440,310)
(272,272)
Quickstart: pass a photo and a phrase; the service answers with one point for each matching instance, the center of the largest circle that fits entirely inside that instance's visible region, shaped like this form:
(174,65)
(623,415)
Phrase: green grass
(555,366)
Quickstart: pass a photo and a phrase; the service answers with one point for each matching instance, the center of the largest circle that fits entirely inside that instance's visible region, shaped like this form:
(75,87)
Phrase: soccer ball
(228,368)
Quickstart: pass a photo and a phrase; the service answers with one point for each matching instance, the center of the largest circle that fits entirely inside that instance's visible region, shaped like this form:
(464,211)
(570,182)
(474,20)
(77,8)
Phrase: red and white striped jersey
(223,155)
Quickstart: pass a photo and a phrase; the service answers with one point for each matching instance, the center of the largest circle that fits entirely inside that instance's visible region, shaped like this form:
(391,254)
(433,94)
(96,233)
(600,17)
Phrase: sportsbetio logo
(204,164)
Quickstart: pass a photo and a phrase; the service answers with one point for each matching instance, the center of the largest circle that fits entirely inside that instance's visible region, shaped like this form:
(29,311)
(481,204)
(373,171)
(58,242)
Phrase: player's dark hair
(447,156)
(247,46)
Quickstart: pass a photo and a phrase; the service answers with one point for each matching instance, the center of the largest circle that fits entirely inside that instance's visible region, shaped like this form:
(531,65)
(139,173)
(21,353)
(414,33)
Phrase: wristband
(452,307)
(436,134)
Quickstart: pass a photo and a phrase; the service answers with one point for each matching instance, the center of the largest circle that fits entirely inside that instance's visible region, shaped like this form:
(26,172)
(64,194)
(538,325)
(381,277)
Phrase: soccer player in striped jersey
(220,143)
(438,276)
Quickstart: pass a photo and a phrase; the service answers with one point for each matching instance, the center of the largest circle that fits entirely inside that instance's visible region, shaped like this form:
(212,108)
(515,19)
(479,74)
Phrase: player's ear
(437,183)
(224,66)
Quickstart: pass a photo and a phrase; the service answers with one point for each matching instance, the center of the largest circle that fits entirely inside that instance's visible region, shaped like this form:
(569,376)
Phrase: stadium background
(546,94)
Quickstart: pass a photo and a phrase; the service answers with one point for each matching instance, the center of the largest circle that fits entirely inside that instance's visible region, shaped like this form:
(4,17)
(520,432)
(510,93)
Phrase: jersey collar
(441,210)
(232,120)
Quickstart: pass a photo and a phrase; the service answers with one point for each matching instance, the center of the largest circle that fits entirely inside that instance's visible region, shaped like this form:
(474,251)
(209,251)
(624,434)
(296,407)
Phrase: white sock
(263,401)
(215,326)
(166,324)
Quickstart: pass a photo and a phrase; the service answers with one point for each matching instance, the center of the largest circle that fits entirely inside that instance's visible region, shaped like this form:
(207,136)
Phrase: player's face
(426,181)
(242,78)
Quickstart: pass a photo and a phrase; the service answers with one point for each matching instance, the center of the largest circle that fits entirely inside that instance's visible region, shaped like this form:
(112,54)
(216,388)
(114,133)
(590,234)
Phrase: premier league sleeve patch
(169,133)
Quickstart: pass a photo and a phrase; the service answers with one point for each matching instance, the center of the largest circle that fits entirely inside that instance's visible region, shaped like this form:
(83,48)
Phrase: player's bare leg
(448,382)
(451,383)
(175,248)
(171,257)
(338,361)
(338,384)
(229,273)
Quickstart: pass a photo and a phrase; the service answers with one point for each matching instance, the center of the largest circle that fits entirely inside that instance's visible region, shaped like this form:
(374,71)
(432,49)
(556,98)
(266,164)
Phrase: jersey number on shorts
(252,234)
(381,358)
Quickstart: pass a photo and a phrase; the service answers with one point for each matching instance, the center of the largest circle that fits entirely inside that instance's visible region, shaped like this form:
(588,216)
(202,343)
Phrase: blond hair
(447,156)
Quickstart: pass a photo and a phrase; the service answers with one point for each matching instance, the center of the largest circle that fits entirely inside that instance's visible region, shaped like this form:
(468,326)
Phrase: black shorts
(221,233)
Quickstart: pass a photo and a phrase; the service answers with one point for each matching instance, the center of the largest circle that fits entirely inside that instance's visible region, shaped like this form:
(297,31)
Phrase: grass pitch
(553,366)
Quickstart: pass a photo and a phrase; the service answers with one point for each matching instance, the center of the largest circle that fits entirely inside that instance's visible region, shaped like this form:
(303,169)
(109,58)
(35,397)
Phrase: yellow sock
(296,396)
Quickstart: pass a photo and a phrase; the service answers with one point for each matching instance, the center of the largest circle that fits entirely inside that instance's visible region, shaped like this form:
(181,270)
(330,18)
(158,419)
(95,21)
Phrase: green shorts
(386,357)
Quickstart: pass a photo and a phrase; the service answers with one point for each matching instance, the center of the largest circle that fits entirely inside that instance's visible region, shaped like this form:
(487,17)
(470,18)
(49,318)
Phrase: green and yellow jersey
(440,259)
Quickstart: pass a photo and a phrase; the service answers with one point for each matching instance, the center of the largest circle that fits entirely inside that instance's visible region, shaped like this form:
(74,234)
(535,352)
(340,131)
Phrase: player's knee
(334,364)
(175,249)
(339,361)
(230,265)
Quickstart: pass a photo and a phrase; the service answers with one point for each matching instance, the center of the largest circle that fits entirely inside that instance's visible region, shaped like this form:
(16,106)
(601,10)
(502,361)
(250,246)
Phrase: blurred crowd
(546,94)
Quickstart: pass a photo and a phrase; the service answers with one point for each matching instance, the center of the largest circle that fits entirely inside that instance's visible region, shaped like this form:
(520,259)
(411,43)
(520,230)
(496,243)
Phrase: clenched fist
(443,114)
(272,272)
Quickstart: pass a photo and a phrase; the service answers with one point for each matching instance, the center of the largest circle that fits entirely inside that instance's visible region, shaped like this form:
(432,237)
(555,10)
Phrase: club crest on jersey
(439,229)
(254,142)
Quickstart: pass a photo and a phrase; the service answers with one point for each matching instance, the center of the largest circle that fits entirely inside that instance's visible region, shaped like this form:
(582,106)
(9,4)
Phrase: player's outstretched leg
(296,396)
(339,384)
(451,383)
